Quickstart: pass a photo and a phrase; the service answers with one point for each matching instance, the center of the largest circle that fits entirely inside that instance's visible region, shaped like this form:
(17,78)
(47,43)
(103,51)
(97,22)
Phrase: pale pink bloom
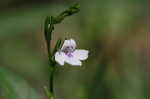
(68,54)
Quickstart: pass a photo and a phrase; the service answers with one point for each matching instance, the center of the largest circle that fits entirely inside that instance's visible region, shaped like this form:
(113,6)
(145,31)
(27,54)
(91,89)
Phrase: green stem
(51,81)
(48,94)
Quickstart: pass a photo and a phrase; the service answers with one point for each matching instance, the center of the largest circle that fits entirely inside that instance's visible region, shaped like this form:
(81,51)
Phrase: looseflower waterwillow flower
(69,54)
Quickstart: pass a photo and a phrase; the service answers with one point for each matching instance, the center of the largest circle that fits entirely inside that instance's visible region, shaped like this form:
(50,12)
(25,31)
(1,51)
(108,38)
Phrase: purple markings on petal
(68,50)
(69,54)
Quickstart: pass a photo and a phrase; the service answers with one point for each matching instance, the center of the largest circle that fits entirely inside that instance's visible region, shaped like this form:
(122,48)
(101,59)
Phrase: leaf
(48,28)
(13,87)
(48,94)
(57,46)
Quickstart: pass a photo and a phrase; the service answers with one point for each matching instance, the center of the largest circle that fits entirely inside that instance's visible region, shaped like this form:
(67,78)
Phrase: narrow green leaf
(46,29)
(57,46)
(13,87)
(48,93)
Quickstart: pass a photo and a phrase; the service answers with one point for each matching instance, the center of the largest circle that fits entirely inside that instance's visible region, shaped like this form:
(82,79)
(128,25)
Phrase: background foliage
(115,32)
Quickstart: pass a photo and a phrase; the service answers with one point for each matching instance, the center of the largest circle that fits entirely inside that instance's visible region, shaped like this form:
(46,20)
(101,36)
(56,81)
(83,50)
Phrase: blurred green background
(116,32)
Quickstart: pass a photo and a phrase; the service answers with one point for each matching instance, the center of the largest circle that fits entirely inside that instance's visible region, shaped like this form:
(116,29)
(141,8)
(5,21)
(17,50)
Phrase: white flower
(68,54)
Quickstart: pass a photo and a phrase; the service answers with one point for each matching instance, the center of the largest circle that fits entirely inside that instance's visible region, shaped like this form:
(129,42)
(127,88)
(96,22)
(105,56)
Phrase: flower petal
(70,42)
(73,61)
(60,58)
(81,54)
